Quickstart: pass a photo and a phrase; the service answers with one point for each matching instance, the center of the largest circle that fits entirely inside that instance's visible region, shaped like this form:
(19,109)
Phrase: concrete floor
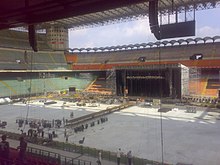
(190,138)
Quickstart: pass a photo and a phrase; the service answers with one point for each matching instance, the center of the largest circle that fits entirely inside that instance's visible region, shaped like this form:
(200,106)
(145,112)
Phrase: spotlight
(142,59)
(196,57)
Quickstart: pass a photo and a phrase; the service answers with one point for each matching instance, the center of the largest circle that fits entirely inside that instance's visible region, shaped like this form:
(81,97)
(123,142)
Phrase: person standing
(22,149)
(67,137)
(99,161)
(4,151)
(71,115)
(119,153)
(129,156)
(65,133)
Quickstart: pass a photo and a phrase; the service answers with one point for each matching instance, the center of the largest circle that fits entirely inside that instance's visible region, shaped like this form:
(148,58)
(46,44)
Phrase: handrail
(56,157)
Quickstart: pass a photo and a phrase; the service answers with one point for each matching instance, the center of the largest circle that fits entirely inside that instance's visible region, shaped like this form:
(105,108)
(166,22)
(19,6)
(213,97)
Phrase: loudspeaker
(181,29)
(25,57)
(142,59)
(174,30)
(153,13)
(32,37)
(196,57)
(153,18)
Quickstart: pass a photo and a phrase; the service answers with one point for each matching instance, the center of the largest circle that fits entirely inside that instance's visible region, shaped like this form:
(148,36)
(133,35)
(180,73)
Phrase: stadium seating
(15,59)
(19,40)
(99,86)
(33,160)
(41,157)
(15,87)
(168,54)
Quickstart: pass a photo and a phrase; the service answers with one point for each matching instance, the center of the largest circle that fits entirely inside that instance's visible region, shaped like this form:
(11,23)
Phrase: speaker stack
(32,37)
(178,29)
(153,18)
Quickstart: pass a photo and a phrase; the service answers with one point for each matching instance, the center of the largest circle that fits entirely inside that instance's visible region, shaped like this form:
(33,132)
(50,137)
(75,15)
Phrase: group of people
(119,155)
(5,150)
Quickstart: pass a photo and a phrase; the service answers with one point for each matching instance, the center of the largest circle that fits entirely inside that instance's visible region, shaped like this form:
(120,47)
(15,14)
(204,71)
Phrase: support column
(170,81)
(57,38)
(125,83)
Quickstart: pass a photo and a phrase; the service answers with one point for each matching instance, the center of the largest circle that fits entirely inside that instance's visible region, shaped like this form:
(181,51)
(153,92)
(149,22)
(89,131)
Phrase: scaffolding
(194,81)
(184,80)
(111,80)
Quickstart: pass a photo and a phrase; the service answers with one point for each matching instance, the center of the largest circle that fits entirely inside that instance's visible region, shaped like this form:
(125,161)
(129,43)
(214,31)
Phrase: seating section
(15,59)
(19,40)
(213,85)
(30,159)
(168,54)
(36,156)
(211,92)
(197,87)
(99,86)
(14,87)
(16,54)
(205,87)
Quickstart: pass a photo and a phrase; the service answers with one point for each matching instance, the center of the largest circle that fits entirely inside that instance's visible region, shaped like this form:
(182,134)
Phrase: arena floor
(190,138)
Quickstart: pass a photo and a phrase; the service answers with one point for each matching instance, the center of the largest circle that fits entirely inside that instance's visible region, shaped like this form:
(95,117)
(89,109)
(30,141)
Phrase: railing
(41,157)
(56,158)
(72,161)
(79,149)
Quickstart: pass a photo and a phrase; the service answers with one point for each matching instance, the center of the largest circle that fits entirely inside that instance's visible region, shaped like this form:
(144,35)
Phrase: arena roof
(78,13)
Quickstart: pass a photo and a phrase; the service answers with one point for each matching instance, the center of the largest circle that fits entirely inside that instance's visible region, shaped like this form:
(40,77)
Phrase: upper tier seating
(19,40)
(16,59)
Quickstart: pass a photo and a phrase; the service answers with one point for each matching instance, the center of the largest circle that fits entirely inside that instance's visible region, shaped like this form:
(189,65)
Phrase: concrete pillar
(170,81)
(57,38)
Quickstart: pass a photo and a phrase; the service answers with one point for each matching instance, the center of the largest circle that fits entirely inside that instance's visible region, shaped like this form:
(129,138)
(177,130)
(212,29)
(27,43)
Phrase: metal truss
(130,13)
